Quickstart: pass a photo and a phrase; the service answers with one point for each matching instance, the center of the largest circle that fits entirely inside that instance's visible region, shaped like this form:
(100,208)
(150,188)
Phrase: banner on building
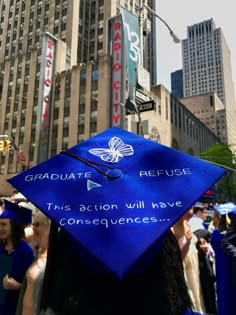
(132,54)
(44,97)
(118,74)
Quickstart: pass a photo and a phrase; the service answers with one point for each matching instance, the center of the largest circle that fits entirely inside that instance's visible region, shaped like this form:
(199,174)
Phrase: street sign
(142,107)
(146,106)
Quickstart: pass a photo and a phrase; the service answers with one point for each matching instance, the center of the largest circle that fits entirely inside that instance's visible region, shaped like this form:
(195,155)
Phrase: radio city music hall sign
(116,73)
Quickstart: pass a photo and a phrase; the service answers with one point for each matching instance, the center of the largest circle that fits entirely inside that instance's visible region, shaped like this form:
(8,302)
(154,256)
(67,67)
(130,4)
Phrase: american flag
(20,158)
(19,155)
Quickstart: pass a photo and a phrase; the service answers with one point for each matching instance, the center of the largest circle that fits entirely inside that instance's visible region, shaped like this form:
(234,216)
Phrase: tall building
(55,79)
(177,83)
(209,109)
(78,105)
(207,68)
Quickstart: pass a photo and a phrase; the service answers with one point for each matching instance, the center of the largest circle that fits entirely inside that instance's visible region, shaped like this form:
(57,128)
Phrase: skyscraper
(78,105)
(55,79)
(207,68)
(177,83)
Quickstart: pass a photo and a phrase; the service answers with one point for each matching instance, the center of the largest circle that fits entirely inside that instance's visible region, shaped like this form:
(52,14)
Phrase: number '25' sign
(134,47)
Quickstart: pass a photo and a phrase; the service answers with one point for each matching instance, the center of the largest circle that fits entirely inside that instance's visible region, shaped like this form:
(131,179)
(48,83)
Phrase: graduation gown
(226,292)
(228,245)
(22,257)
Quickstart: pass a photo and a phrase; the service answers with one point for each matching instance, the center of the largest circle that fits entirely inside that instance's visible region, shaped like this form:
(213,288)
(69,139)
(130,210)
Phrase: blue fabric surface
(119,196)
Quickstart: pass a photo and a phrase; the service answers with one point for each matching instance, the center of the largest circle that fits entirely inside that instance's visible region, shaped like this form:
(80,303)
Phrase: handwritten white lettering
(53,206)
(109,222)
(166,172)
(97,207)
(162,204)
(59,177)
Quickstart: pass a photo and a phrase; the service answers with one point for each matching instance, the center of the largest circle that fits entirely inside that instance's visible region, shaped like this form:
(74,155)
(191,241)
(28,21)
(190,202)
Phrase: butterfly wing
(106,155)
(120,147)
(117,150)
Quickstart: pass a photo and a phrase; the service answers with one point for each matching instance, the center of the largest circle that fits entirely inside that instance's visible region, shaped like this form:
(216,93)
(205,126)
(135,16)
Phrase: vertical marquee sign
(117,88)
(44,97)
(125,52)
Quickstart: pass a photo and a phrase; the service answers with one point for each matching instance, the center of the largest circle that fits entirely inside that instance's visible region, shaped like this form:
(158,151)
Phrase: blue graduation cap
(117,194)
(17,213)
(225,208)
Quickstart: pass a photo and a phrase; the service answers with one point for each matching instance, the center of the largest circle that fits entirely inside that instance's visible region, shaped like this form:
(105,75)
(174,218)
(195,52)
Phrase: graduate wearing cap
(224,211)
(218,228)
(112,200)
(71,287)
(229,245)
(15,255)
(225,260)
(218,222)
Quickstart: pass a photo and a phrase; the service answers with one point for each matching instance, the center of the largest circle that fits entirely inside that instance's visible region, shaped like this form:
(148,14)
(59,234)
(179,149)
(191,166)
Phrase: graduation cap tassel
(228,221)
(111,173)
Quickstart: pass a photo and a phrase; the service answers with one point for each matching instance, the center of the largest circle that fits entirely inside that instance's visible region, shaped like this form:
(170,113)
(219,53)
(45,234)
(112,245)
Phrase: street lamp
(172,34)
(130,103)
(176,40)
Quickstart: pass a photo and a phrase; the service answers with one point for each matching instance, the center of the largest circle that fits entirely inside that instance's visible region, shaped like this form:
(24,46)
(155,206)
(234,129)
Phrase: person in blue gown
(226,273)
(15,258)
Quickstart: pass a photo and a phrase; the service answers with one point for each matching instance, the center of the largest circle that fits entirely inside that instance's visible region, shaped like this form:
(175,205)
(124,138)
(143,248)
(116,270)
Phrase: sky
(182,13)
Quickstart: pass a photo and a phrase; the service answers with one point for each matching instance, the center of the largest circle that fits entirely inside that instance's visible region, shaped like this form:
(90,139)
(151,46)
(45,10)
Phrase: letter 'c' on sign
(116,85)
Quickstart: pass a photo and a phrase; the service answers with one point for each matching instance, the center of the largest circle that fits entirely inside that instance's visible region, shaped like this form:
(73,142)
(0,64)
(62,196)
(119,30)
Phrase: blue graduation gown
(22,258)
(226,292)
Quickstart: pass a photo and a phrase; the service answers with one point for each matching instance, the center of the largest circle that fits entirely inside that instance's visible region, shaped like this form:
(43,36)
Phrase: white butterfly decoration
(117,150)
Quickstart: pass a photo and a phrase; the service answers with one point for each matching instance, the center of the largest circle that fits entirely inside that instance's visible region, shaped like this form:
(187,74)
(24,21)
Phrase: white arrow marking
(91,184)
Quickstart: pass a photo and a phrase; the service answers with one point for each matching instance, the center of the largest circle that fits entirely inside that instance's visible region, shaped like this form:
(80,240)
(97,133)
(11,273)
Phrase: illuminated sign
(44,97)
(116,73)
(124,48)
(47,83)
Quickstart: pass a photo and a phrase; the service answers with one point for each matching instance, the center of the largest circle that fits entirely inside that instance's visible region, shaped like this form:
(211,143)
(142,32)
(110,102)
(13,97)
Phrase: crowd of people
(208,253)
(41,272)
